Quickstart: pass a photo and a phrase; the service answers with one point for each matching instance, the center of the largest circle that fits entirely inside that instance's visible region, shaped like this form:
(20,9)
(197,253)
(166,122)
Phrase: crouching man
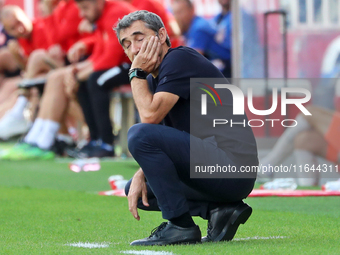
(163,152)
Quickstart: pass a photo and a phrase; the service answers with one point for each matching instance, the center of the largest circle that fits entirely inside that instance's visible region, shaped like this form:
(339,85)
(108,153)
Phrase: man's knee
(38,54)
(301,139)
(313,109)
(138,135)
(56,74)
(307,140)
(53,79)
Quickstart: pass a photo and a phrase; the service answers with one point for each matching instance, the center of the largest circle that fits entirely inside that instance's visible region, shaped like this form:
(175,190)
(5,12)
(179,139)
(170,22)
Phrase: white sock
(35,131)
(48,134)
(65,138)
(306,159)
(19,107)
(285,145)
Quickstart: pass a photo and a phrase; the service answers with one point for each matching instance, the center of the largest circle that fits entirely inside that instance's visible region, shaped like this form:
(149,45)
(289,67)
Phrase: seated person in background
(223,25)
(30,36)
(108,68)
(65,21)
(94,78)
(199,34)
(9,70)
(8,65)
(50,38)
(314,135)
(160,82)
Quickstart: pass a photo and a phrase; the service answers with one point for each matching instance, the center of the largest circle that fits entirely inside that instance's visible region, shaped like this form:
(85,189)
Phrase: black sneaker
(224,222)
(82,152)
(168,233)
(99,152)
(60,147)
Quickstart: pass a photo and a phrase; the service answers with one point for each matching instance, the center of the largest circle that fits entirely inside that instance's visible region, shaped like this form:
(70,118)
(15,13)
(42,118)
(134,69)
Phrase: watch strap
(138,73)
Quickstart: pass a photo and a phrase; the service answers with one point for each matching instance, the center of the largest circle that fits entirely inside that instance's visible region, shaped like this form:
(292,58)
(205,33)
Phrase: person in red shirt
(102,45)
(60,29)
(158,8)
(8,65)
(63,28)
(42,45)
(31,36)
(106,67)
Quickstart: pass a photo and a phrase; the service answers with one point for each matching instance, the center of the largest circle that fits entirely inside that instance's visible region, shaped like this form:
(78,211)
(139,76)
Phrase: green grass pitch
(44,206)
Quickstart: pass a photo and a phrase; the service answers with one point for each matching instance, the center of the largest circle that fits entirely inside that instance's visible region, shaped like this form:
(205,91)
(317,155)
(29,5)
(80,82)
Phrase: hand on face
(148,57)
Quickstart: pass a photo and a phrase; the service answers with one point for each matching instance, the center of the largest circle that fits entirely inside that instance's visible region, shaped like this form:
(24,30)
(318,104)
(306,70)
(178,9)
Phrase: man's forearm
(143,99)
(139,173)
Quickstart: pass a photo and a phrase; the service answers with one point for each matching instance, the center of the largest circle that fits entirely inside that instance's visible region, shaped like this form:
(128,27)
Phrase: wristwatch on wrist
(138,73)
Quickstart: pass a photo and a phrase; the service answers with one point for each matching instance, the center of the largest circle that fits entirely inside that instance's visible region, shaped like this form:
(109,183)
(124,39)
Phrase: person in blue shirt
(202,35)
(223,25)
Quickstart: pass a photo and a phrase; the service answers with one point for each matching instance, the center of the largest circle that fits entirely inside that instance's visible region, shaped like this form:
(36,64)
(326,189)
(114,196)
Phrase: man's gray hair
(151,20)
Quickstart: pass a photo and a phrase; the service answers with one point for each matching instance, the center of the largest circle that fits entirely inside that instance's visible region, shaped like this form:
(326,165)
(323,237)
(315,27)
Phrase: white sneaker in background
(332,186)
(11,125)
(280,184)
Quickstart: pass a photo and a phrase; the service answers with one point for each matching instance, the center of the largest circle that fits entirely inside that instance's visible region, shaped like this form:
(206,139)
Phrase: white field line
(259,238)
(117,160)
(88,245)
(147,252)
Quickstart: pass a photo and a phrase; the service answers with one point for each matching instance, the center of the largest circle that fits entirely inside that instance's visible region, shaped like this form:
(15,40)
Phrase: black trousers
(94,99)
(164,155)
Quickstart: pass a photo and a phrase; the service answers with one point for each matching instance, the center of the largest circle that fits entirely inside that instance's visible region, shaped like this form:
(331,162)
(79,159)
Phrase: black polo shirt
(178,66)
